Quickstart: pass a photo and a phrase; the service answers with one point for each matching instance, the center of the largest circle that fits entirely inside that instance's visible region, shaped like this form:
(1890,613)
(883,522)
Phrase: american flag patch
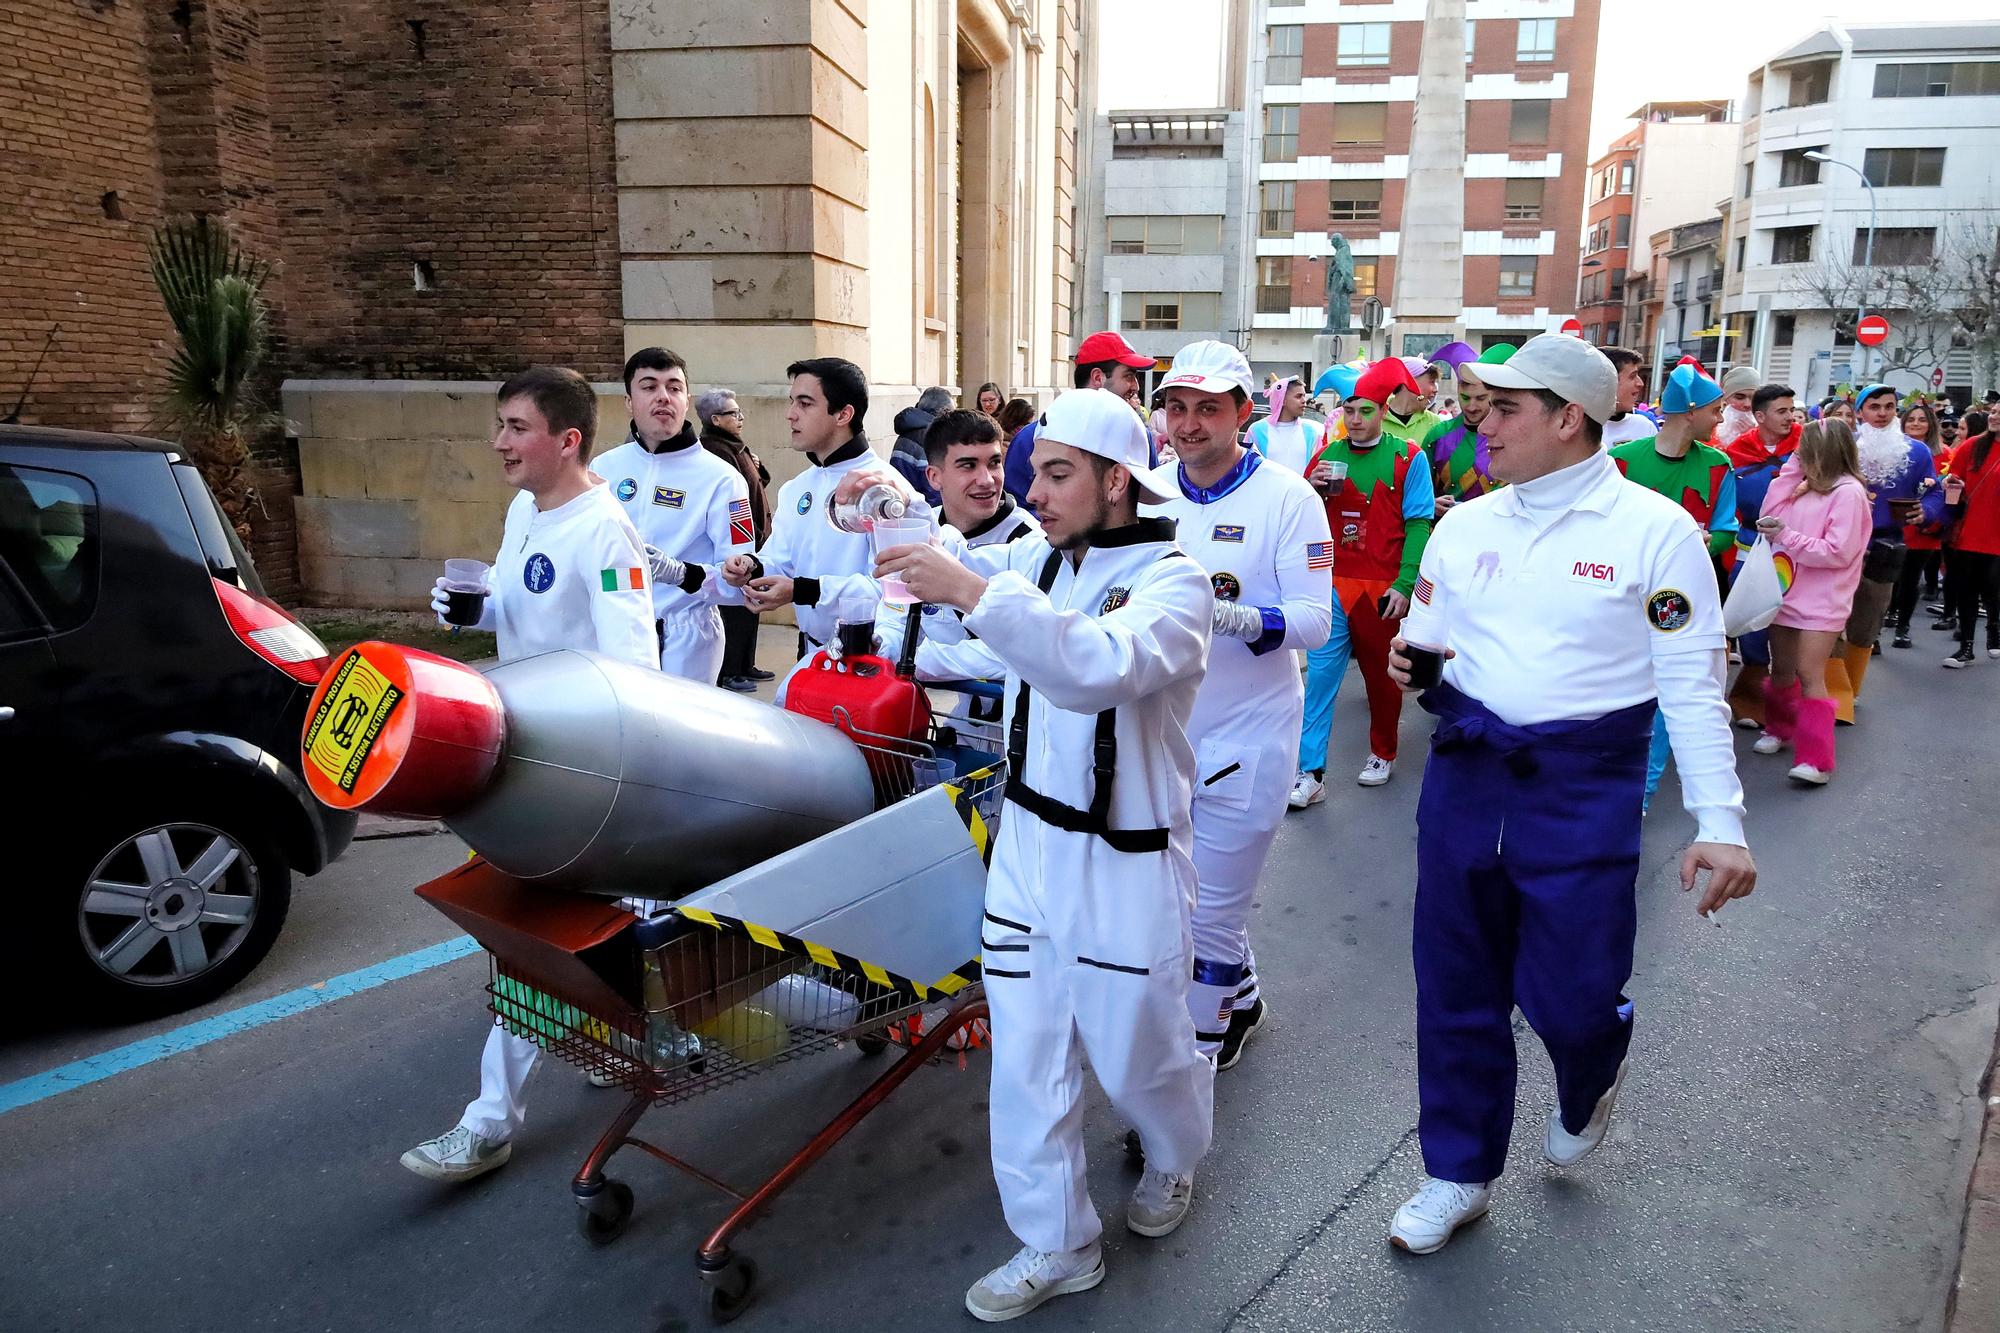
(740,530)
(1424,589)
(1319,555)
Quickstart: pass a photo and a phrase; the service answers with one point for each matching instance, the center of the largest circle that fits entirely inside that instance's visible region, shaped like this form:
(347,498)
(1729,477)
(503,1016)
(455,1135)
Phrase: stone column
(1430,268)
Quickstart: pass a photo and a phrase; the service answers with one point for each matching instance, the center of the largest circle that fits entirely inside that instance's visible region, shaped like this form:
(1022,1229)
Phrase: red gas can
(878,703)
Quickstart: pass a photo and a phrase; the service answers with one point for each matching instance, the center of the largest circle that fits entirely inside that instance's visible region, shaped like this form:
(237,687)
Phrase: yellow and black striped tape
(975,823)
(950,983)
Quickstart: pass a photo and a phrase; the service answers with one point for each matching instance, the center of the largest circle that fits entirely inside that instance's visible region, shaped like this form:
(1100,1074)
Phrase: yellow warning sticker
(349,720)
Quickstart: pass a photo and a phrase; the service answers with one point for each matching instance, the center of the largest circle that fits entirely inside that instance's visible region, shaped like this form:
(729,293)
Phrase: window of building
(1524,199)
(1364,44)
(1617,296)
(1354,201)
(1171,312)
(1964,78)
(1897,245)
(1810,84)
(1281,134)
(1274,214)
(1795,168)
(1284,63)
(1749,174)
(1536,40)
(1360,124)
(1904,166)
(1471,29)
(1517,275)
(1274,285)
(1784,330)
(1791,245)
(1194,235)
(1364,278)
(1621,229)
(1528,123)
(49,533)
(1625,177)
(1742,248)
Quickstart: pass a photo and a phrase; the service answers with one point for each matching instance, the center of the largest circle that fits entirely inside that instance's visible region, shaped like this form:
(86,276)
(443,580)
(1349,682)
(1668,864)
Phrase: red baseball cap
(1102,347)
(1382,379)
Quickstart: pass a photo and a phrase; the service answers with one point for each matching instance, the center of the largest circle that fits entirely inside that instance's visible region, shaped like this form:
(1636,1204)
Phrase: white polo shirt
(1578,594)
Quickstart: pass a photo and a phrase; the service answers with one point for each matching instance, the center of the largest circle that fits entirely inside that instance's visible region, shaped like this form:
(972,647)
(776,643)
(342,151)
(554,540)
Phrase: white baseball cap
(1210,367)
(1568,367)
(1099,422)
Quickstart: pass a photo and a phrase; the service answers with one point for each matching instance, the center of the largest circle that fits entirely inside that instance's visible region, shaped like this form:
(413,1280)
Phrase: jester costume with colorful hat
(1678,464)
(1381,516)
(1456,448)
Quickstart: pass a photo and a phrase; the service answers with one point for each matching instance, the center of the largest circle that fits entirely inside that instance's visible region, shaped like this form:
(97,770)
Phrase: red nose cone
(398,731)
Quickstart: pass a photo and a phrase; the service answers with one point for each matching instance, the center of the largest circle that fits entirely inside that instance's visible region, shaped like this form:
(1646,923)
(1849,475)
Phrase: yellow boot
(1746,694)
(1857,660)
(1839,687)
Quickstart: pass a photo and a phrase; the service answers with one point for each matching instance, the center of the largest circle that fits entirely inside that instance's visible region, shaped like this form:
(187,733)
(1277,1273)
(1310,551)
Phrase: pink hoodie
(1826,537)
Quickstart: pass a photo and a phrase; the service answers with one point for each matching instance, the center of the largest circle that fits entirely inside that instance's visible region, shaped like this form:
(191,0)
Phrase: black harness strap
(1103,769)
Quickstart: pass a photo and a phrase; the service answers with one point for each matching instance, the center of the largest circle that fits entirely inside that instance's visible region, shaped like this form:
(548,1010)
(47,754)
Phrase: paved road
(1791,1152)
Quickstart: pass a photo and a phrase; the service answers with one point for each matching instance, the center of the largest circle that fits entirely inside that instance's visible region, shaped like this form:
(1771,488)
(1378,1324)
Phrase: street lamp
(1868,254)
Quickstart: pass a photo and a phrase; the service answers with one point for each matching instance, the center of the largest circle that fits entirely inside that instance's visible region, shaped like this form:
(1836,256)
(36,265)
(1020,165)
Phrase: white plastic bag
(1756,596)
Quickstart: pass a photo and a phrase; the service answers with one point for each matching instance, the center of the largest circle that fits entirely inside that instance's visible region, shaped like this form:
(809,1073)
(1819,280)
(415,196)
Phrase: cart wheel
(871,1043)
(601,1217)
(729,1288)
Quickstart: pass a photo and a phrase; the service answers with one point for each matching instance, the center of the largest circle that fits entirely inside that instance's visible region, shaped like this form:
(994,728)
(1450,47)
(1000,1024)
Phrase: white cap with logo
(1568,367)
(1209,367)
(1099,422)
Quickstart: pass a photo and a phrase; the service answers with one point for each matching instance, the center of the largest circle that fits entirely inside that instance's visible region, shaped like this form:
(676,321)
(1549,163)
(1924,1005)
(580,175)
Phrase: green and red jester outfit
(1701,482)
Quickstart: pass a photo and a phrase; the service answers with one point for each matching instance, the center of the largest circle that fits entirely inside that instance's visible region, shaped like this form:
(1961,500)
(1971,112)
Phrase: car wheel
(170,909)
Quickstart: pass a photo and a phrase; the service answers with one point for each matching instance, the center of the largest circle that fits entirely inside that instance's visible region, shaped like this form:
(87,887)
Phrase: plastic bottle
(879,501)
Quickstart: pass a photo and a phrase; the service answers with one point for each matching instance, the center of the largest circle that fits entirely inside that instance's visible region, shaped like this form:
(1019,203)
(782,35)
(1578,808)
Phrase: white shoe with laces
(1809,775)
(1306,790)
(1768,744)
(1376,771)
(1438,1208)
(1160,1202)
(1032,1277)
(1566,1149)
(459,1155)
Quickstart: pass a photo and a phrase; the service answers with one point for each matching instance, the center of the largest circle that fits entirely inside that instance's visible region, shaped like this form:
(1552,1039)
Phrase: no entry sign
(1573,327)
(1872,331)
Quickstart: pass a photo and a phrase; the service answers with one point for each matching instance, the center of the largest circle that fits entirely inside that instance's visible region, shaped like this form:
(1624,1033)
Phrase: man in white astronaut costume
(1260,531)
(1102,623)
(692,508)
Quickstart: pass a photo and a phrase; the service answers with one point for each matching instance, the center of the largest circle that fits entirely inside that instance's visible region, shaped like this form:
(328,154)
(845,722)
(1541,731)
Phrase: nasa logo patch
(1114,599)
(806,503)
(1227,586)
(628,488)
(539,574)
(1669,610)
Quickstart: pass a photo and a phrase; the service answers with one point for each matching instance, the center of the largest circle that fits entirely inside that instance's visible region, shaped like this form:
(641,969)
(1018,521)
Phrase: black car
(151,703)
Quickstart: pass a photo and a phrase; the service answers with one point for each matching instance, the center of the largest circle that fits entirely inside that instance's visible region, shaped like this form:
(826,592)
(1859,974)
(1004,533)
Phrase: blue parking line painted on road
(96,1068)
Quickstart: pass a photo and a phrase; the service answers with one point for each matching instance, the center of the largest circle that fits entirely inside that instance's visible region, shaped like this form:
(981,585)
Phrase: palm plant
(212,293)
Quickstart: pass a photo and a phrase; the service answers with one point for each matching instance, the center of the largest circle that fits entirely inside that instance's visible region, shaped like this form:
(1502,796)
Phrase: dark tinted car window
(225,554)
(48,537)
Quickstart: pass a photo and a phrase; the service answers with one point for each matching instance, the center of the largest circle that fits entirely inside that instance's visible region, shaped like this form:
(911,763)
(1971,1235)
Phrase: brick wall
(80,174)
(478,144)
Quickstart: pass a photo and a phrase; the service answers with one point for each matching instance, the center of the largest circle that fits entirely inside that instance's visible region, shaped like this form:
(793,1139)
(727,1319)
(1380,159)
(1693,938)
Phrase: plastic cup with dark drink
(466,585)
(1426,666)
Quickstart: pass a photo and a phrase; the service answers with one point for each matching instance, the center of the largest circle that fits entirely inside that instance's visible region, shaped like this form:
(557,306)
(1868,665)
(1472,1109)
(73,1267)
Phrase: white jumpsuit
(562,579)
(688,504)
(829,568)
(1086,947)
(1261,534)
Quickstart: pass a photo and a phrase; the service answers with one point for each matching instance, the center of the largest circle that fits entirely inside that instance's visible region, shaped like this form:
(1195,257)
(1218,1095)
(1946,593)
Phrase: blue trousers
(1527,861)
(1657,754)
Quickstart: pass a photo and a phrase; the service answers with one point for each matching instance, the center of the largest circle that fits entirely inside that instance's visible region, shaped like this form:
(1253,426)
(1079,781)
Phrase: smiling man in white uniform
(1260,531)
(1102,623)
(692,509)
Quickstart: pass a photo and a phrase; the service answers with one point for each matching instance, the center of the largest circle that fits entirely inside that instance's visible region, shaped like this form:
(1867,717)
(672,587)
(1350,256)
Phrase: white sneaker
(1376,771)
(1993,653)
(458,1156)
(1438,1208)
(1160,1202)
(1306,790)
(1567,1149)
(1749,724)
(1768,744)
(1031,1277)
(1808,774)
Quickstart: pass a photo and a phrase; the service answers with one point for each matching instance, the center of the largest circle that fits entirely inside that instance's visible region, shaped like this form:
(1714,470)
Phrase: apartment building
(1334,90)
(1914,109)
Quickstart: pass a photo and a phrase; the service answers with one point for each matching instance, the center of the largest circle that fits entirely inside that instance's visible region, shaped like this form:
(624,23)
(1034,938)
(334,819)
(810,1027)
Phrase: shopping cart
(695,1000)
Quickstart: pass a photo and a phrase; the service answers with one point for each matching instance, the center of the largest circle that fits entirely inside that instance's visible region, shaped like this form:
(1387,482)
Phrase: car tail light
(269,631)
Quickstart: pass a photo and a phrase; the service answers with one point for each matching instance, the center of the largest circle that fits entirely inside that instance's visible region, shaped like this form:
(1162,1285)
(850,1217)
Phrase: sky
(1164,53)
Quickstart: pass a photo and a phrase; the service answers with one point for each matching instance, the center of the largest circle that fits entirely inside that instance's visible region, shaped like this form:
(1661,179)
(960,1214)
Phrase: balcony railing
(1680,291)
(1703,287)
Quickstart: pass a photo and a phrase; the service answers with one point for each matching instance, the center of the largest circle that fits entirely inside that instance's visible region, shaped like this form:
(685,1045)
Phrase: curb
(1974,1303)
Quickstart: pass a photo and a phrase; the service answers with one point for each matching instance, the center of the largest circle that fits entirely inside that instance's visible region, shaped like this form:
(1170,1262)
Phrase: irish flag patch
(623,580)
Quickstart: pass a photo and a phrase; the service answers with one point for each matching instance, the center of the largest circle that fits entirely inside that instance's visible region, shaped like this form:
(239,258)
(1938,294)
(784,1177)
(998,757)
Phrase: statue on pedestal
(1339,285)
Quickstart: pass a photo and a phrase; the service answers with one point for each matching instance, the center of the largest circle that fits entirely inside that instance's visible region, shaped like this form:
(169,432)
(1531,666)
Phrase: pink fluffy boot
(1812,742)
(1781,716)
